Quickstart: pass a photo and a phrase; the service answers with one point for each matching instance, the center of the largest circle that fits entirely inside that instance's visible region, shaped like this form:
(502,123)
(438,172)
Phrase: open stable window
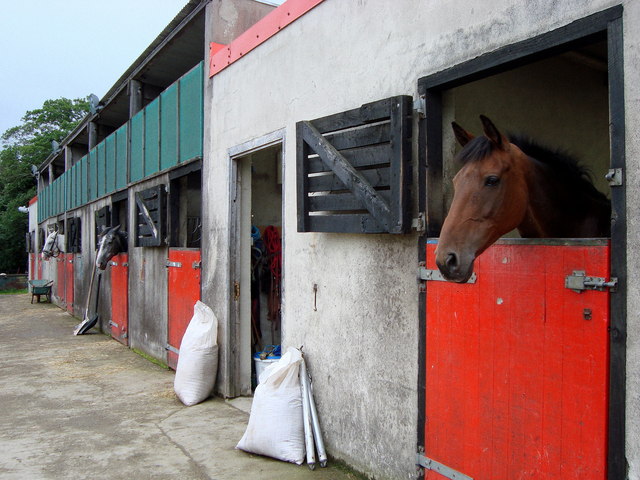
(102,220)
(120,211)
(354,169)
(185,206)
(74,235)
(151,215)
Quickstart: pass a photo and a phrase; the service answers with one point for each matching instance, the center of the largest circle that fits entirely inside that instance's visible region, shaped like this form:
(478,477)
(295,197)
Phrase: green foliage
(25,145)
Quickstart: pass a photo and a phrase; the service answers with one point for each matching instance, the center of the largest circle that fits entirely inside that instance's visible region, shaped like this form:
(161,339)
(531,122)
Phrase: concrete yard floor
(88,407)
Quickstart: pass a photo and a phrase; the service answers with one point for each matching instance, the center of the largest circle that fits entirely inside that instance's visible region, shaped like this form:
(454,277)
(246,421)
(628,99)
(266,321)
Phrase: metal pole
(315,423)
(306,417)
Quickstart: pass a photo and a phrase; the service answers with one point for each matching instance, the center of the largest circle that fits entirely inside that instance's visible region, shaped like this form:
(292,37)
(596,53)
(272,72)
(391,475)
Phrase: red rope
(273,244)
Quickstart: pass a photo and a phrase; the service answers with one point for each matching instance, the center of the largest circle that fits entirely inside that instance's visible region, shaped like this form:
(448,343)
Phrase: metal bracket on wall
(614,177)
(196,265)
(420,106)
(418,224)
(435,276)
(172,349)
(448,472)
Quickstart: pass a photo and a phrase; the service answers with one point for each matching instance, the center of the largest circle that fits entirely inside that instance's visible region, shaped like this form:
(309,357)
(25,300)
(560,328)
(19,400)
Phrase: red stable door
(32,266)
(184,291)
(68,268)
(119,265)
(517,366)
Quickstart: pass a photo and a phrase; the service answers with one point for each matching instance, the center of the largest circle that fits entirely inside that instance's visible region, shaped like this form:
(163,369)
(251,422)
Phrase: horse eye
(491,181)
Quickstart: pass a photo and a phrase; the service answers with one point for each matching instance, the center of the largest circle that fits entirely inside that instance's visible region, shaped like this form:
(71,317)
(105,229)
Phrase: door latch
(579,282)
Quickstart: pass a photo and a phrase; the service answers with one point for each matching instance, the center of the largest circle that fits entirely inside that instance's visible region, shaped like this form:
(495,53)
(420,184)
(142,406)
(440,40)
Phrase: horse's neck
(551,214)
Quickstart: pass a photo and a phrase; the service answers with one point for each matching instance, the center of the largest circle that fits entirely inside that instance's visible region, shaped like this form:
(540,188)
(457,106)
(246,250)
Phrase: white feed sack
(275,426)
(198,359)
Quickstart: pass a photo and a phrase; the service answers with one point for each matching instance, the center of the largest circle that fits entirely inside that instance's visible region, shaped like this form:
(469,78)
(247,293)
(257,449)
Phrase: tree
(25,145)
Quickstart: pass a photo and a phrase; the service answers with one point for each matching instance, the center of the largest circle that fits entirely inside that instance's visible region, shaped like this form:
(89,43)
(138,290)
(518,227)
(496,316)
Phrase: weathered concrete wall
(362,342)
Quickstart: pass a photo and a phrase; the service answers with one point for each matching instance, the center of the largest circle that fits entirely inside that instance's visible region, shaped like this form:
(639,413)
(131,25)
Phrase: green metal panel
(136,159)
(102,172)
(83,181)
(169,127)
(93,175)
(191,114)
(110,163)
(122,155)
(152,138)
(74,186)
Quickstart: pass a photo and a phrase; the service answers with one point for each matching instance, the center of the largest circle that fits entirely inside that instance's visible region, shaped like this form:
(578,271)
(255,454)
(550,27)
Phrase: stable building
(327,124)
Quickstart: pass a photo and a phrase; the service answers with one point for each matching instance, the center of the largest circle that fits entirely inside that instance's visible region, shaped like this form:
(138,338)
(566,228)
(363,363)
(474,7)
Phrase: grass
(14,292)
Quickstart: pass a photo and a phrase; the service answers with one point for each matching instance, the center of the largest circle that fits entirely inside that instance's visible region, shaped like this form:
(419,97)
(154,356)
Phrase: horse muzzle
(453,266)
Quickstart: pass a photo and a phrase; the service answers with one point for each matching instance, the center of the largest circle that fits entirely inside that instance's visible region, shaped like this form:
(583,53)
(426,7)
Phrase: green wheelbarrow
(40,287)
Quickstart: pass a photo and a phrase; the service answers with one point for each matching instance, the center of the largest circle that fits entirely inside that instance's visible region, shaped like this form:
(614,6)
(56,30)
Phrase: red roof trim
(259,33)
(33,200)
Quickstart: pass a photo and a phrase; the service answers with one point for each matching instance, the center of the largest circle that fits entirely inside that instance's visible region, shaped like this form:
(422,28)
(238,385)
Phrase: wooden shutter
(151,213)
(74,235)
(103,218)
(354,169)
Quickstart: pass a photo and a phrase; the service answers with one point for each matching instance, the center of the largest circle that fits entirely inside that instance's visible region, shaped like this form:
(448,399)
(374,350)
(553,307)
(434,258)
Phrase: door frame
(606,24)
(239,335)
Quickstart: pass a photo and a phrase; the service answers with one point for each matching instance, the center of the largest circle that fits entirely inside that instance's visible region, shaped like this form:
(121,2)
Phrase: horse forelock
(477,149)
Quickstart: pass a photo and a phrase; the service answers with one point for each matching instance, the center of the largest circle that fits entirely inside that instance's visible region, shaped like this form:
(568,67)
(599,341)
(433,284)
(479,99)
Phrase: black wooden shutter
(354,169)
(102,220)
(151,213)
(74,235)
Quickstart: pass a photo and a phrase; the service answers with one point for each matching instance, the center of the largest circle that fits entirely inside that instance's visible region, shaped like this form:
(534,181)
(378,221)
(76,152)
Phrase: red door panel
(517,366)
(119,265)
(184,291)
(61,278)
(69,282)
(32,266)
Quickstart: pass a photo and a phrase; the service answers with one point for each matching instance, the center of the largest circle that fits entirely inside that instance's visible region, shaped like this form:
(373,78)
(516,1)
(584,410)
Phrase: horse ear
(461,134)
(116,228)
(493,133)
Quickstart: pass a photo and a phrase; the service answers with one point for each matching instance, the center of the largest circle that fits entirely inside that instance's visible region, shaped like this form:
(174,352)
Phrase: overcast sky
(71,48)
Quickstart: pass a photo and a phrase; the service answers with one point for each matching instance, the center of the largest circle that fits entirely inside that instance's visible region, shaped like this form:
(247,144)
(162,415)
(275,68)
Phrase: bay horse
(505,184)
(112,242)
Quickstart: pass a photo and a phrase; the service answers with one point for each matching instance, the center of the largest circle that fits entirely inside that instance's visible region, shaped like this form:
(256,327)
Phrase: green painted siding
(102,173)
(191,114)
(136,158)
(122,154)
(165,133)
(110,163)
(169,127)
(152,138)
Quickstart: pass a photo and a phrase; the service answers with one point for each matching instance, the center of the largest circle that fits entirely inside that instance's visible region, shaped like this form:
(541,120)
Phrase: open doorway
(257,251)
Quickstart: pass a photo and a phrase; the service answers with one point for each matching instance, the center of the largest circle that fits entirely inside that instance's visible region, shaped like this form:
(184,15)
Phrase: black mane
(568,170)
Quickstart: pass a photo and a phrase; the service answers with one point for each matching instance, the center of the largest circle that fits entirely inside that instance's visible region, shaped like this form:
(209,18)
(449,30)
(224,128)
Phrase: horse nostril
(452,260)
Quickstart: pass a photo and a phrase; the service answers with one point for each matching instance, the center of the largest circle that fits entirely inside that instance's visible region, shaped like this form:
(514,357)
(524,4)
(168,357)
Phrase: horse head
(51,248)
(112,241)
(490,199)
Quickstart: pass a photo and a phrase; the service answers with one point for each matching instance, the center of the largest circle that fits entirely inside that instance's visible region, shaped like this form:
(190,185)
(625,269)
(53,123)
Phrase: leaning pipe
(315,423)
(306,417)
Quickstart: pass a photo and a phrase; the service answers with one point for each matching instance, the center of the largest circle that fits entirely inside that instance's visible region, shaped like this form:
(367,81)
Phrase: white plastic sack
(275,426)
(198,360)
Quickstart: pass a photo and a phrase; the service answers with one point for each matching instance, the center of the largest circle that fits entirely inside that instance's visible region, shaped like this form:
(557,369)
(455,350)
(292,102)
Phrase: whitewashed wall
(362,342)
